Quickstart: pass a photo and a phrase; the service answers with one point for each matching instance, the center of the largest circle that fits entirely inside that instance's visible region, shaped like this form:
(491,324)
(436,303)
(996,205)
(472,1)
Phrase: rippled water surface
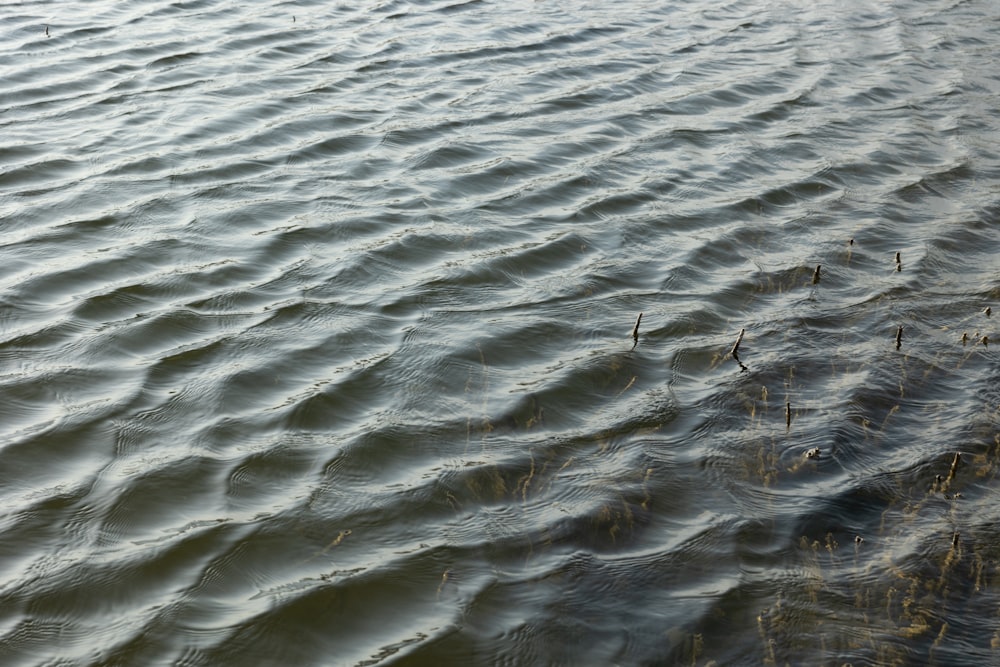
(316,333)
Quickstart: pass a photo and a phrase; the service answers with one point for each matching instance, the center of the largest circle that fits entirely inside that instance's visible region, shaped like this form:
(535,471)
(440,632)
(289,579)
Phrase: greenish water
(316,333)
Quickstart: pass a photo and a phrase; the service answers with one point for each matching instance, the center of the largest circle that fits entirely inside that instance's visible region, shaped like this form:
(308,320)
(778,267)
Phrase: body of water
(316,333)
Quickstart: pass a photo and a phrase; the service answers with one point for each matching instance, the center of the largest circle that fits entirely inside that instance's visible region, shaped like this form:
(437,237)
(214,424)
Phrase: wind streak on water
(315,333)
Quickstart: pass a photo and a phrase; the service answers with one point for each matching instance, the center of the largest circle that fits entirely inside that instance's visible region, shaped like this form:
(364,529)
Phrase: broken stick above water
(736,345)
(635,329)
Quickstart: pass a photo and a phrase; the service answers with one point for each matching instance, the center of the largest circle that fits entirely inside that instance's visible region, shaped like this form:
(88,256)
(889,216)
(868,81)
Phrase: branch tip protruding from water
(735,351)
(736,346)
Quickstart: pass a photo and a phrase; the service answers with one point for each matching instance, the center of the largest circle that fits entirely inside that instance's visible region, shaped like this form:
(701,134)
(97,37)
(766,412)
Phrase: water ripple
(316,333)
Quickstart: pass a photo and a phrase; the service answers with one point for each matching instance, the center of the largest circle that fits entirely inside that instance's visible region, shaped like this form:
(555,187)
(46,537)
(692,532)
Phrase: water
(315,333)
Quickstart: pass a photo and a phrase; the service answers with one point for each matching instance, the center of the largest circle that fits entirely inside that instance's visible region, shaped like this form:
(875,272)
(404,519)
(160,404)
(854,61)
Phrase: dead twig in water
(736,345)
(736,350)
(635,329)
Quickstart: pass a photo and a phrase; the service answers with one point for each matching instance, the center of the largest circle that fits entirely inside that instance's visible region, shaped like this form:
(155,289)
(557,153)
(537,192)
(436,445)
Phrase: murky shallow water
(315,333)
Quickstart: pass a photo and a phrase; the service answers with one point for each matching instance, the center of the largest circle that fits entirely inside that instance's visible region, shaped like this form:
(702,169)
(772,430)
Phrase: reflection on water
(320,333)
